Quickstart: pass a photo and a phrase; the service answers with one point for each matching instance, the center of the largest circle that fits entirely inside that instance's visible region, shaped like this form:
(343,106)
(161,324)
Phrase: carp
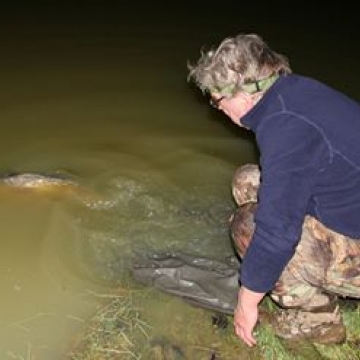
(57,185)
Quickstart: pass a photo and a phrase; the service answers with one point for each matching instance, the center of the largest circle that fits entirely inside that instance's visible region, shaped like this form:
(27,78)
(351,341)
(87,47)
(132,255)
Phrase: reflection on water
(93,99)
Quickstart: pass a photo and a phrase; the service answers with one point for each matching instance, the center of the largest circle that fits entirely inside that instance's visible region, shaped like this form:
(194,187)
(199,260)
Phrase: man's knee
(242,227)
(303,296)
(245,184)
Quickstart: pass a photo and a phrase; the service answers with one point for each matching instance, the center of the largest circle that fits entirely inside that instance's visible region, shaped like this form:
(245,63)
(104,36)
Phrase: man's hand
(246,314)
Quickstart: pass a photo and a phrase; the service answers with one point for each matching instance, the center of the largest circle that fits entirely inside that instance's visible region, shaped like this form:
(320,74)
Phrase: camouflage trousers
(325,265)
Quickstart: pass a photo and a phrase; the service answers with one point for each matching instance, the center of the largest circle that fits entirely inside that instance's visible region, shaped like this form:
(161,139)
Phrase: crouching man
(325,266)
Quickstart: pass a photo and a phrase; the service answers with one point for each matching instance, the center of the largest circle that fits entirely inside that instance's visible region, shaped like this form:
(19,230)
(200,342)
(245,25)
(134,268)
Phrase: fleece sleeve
(292,152)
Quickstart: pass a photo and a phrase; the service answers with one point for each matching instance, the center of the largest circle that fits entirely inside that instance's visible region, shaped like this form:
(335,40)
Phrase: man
(297,228)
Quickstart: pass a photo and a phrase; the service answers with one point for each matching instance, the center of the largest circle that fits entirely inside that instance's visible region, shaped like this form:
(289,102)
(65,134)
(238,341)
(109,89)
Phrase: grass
(146,324)
(115,332)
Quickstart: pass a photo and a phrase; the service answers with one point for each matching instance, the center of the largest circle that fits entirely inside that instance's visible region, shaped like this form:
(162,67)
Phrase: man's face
(234,107)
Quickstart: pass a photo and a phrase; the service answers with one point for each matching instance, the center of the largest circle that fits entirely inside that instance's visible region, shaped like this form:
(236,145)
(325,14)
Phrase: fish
(37,180)
(57,184)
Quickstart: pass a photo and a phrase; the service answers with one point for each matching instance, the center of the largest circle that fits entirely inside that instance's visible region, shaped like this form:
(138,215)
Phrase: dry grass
(115,332)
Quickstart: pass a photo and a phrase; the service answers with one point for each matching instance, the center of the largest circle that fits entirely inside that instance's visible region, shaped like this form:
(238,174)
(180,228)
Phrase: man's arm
(246,314)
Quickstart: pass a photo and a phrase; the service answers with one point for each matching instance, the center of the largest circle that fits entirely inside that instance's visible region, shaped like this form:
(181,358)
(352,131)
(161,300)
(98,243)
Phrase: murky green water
(103,96)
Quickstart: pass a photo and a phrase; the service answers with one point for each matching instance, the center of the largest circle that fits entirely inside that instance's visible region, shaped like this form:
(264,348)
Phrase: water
(101,94)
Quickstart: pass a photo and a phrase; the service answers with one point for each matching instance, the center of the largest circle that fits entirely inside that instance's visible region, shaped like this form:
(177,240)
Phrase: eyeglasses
(215,103)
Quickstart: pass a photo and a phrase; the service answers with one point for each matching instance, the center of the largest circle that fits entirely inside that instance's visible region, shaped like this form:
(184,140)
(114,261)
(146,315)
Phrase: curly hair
(237,61)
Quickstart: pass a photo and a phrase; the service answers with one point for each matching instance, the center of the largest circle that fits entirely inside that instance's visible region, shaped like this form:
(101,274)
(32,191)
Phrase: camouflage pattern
(245,184)
(332,260)
(324,327)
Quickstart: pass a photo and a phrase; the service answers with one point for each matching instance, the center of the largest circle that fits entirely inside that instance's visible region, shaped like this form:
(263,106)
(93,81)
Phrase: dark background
(321,40)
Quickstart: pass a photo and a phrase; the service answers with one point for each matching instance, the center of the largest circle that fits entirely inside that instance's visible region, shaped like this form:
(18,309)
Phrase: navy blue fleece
(308,135)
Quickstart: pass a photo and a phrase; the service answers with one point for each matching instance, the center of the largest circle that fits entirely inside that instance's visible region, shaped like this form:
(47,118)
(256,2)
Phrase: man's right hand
(246,315)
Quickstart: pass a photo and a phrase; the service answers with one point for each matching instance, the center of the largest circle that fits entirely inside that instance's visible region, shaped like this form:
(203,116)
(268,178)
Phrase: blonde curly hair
(237,61)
